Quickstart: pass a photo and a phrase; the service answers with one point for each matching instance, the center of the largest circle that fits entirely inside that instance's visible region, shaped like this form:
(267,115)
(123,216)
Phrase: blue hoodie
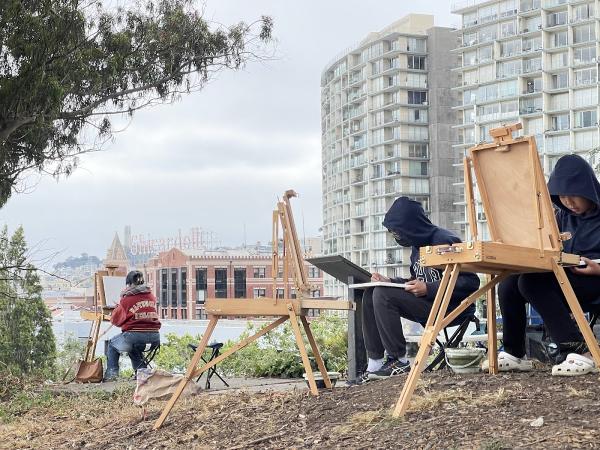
(407,219)
(572,175)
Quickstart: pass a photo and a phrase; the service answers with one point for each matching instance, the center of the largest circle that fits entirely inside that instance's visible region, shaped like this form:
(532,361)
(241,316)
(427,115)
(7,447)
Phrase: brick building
(183,279)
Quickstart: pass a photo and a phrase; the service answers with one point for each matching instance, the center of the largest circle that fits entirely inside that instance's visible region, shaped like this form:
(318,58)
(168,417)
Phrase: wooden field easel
(525,238)
(284,309)
(100,314)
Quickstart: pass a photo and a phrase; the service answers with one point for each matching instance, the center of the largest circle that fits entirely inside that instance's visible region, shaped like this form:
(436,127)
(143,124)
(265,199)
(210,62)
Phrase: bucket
(464,360)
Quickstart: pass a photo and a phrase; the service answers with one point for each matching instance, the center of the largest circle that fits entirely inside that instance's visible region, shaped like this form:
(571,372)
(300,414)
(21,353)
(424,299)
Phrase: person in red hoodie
(137,317)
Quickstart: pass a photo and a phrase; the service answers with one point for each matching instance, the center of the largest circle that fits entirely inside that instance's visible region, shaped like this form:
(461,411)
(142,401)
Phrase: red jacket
(136,313)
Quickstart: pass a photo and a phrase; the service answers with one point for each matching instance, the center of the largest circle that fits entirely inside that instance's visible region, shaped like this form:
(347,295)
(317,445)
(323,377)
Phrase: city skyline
(163,173)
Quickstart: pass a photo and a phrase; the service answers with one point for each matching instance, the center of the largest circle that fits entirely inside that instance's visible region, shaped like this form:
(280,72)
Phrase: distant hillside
(73,262)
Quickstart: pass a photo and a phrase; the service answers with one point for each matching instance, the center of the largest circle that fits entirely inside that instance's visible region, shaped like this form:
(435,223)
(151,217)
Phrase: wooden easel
(525,238)
(100,314)
(284,309)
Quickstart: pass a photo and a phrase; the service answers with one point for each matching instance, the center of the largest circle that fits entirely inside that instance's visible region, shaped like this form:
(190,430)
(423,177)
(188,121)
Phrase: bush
(274,355)
(70,352)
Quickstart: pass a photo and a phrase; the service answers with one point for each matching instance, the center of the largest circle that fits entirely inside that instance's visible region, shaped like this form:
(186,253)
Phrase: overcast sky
(218,158)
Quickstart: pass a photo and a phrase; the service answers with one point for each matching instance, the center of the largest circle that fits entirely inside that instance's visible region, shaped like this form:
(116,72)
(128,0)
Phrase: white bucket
(464,360)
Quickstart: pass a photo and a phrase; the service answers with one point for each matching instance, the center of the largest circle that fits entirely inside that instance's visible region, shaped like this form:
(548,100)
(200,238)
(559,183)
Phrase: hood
(572,175)
(407,218)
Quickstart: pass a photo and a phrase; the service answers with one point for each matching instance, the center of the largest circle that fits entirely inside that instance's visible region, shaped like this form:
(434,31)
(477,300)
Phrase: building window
(560,122)
(583,55)
(418,151)
(184,314)
(417,97)
(584,33)
(220,283)
(557,18)
(173,314)
(313,272)
(164,286)
(418,168)
(201,285)
(559,39)
(416,62)
(163,313)
(416,45)
(239,282)
(183,291)
(280,293)
(560,80)
(259,292)
(586,119)
(583,12)
(174,276)
(586,76)
(259,272)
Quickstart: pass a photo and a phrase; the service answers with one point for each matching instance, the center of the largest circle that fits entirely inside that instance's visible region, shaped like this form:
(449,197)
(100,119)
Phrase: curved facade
(386,132)
(534,62)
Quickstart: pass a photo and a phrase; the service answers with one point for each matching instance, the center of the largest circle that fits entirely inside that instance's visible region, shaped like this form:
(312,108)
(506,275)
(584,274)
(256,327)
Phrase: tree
(68,66)
(27,342)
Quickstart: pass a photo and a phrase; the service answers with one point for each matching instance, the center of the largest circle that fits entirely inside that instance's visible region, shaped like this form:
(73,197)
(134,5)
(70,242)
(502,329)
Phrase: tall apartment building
(387,120)
(532,61)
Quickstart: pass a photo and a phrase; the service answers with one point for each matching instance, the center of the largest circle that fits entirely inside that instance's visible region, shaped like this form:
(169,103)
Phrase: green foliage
(70,352)
(68,66)
(175,354)
(274,355)
(27,342)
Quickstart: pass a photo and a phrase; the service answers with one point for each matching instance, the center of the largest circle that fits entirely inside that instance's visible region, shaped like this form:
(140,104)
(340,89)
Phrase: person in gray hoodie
(384,306)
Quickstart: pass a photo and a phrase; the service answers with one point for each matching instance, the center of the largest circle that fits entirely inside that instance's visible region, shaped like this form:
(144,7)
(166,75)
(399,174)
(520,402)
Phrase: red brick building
(182,280)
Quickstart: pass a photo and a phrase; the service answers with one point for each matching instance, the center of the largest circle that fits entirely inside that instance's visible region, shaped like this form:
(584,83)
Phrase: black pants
(382,309)
(544,294)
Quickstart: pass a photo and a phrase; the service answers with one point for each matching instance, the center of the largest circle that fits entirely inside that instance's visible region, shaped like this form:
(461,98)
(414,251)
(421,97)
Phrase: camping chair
(216,348)
(463,321)
(147,353)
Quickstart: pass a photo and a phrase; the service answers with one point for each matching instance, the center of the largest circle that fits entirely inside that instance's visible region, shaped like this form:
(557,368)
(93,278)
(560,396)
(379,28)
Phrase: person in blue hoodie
(384,306)
(575,192)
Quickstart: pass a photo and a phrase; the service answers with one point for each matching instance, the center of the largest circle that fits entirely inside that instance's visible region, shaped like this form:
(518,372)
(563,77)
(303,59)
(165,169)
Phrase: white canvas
(112,289)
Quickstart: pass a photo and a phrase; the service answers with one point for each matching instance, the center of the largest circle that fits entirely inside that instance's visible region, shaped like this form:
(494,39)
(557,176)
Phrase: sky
(218,159)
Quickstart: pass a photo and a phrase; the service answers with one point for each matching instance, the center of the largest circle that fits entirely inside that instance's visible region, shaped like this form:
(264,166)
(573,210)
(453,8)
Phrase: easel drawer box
(493,257)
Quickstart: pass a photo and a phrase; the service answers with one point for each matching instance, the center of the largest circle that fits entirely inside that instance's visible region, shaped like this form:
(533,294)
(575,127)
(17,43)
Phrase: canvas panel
(507,183)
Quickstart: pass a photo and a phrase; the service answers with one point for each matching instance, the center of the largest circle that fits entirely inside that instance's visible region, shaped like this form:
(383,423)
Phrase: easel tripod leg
(584,327)
(316,352)
(440,305)
(300,342)
(491,328)
(189,372)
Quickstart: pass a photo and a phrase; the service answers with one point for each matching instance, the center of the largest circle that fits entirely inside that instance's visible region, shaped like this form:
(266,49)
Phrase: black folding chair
(147,353)
(216,348)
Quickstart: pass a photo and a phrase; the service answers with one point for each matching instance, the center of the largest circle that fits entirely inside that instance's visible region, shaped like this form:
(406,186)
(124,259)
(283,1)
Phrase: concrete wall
(441,134)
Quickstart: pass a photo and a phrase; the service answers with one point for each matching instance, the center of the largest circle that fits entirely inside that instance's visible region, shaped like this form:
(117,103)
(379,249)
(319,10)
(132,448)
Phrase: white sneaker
(509,363)
(574,365)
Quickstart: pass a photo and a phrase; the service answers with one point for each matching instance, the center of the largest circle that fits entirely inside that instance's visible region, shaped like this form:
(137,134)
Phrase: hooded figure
(409,225)
(575,192)
(573,176)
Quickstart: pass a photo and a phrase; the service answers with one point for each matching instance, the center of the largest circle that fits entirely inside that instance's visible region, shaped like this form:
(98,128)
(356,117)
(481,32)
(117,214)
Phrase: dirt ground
(531,410)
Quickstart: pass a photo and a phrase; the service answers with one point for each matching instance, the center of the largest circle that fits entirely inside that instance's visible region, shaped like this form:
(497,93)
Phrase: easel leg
(300,342)
(199,371)
(491,328)
(90,350)
(189,373)
(575,307)
(438,311)
(316,352)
